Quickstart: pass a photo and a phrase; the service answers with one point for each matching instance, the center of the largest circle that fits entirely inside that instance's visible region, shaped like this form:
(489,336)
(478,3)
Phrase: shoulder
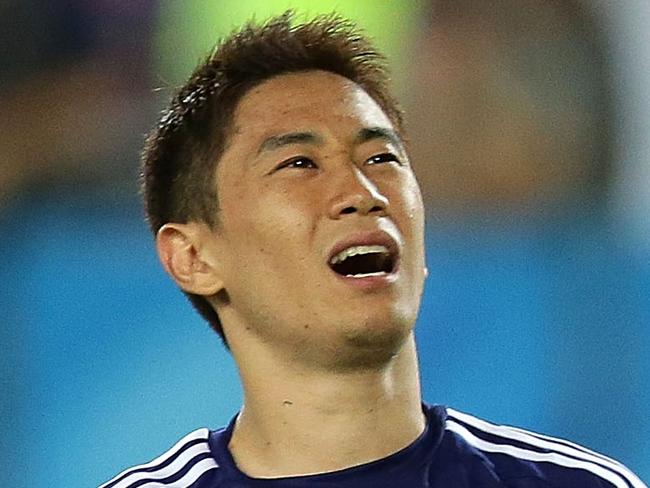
(186,465)
(522,458)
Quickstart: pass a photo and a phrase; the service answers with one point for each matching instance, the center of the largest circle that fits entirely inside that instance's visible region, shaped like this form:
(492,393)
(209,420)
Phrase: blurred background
(531,137)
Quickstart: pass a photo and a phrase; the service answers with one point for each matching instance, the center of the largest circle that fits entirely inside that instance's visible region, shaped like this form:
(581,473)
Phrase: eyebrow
(364,135)
(276,142)
(371,133)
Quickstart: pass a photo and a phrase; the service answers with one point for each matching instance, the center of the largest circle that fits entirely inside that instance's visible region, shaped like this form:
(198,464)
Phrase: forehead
(314,100)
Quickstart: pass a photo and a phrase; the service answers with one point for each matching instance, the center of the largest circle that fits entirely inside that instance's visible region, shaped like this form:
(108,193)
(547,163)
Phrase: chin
(375,344)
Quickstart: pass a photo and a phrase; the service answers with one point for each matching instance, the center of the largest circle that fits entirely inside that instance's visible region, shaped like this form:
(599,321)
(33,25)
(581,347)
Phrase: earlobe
(182,252)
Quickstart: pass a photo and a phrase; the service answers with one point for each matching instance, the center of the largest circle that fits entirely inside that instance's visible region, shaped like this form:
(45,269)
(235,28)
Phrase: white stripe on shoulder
(551,457)
(199,434)
(566,442)
(503,429)
(198,470)
(177,465)
(547,442)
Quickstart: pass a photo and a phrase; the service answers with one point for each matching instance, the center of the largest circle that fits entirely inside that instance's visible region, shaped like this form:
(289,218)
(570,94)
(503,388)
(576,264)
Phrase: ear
(182,249)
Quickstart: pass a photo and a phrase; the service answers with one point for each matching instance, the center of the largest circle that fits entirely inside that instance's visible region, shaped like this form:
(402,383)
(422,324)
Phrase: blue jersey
(456,450)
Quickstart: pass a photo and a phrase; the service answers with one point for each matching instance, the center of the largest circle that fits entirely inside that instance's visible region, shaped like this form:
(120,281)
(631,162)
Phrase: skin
(313,349)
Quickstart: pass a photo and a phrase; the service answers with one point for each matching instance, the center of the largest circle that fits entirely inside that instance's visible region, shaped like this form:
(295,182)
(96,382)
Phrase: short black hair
(180,155)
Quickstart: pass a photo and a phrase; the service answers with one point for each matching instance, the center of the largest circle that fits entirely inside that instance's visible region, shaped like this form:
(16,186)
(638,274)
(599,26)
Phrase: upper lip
(378,238)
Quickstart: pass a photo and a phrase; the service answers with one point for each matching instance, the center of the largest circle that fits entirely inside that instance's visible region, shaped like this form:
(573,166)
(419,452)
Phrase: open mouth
(363,261)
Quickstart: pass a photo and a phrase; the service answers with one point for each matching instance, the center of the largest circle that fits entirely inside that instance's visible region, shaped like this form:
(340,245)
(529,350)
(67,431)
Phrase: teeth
(365,275)
(355,250)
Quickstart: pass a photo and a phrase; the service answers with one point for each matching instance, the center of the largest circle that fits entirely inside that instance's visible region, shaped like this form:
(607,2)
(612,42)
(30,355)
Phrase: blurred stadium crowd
(529,129)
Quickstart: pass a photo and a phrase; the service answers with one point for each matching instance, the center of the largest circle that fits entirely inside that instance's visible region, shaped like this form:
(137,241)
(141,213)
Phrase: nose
(357,194)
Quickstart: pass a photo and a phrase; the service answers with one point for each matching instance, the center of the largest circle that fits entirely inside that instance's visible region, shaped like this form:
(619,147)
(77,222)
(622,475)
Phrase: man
(283,202)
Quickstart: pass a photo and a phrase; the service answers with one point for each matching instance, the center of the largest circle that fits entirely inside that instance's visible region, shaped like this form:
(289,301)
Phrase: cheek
(412,187)
(415,207)
(411,222)
(267,233)
(268,245)
(411,208)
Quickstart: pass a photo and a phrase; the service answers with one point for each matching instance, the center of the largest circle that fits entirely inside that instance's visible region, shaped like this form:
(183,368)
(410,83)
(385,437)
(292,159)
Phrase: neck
(307,422)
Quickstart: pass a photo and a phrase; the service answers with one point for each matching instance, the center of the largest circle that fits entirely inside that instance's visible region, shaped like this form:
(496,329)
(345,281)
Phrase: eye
(299,162)
(384,158)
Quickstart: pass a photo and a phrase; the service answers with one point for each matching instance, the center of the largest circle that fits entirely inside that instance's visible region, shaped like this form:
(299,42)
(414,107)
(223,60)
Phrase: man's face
(320,234)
